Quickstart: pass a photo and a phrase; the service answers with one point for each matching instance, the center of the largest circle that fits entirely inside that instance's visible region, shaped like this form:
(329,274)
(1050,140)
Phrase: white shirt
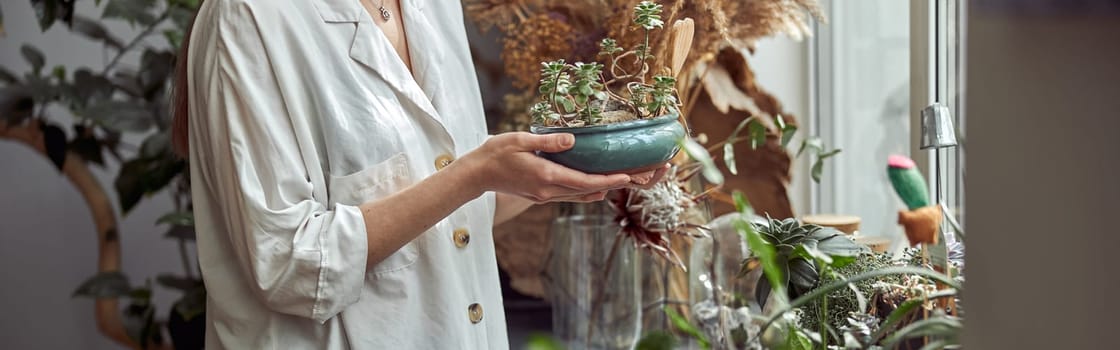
(299,111)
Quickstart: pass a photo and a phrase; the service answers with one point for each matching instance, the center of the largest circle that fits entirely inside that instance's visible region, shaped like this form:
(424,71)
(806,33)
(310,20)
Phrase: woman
(344,185)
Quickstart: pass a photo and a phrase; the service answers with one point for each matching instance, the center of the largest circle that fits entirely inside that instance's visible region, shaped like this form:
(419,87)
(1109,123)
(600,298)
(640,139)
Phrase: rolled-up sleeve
(300,255)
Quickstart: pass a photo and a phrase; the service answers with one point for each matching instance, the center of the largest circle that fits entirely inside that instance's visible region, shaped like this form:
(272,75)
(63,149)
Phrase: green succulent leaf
(803,277)
(647,15)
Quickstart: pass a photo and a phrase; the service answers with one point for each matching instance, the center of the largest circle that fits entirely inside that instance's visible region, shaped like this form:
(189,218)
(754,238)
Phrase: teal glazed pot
(630,146)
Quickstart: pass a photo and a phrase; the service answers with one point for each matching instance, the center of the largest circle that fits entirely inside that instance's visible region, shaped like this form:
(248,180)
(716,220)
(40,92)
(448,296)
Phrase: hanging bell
(937,127)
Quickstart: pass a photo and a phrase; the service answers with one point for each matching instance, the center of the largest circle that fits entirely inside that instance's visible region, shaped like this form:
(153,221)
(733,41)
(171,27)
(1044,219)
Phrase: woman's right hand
(508,163)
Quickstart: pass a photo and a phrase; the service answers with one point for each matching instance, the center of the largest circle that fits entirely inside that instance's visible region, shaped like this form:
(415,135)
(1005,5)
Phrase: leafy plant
(578,94)
(106,104)
(798,250)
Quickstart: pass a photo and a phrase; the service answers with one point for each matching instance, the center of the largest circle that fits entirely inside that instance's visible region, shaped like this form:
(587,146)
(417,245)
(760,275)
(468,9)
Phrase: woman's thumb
(552,143)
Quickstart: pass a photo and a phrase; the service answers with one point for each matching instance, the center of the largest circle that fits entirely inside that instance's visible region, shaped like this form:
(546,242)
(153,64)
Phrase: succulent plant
(800,249)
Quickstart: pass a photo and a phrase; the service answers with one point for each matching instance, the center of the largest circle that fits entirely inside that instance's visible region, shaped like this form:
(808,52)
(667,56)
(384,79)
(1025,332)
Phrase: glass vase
(592,280)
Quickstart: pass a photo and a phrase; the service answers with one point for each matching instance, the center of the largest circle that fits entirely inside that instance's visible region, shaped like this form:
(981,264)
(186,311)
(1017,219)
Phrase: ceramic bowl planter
(630,146)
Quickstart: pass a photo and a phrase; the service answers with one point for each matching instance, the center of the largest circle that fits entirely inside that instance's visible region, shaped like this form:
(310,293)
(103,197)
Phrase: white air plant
(652,216)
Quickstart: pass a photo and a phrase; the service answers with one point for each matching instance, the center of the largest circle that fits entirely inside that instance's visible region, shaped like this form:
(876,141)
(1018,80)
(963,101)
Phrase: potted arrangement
(622,124)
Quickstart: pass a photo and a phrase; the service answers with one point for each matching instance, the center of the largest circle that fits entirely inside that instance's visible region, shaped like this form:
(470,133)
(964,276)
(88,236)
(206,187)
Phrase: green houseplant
(106,104)
(625,123)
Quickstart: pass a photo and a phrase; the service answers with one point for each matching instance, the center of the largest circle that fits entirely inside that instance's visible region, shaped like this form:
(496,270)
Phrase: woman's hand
(507,163)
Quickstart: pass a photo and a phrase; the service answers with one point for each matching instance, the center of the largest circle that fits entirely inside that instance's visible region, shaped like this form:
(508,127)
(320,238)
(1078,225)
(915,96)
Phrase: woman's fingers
(551,143)
(582,198)
(576,180)
(649,179)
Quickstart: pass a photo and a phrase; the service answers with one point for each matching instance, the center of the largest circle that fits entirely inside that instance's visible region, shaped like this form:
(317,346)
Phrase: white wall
(781,66)
(1043,105)
(47,239)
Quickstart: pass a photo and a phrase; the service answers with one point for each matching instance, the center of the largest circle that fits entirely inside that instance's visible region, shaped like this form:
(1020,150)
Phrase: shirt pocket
(372,183)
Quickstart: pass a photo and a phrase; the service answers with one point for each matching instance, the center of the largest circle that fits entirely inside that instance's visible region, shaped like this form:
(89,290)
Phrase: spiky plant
(801,250)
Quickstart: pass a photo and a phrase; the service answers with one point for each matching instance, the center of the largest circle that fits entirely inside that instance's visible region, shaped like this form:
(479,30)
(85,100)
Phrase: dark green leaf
(144,176)
(656,340)
(45,11)
(34,57)
(156,145)
(787,130)
(91,87)
(133,11)
(841,246)
(757,134)
(803,276)
(187,4)
(104,285)
(817,170)
(54,140)
(121,115)
(85,145)
(762,291)
(828,154)
(96,31)
(141,295)
(181,218)
(16,104)
(127,82)
(158,66)
(139,323)
(682,324)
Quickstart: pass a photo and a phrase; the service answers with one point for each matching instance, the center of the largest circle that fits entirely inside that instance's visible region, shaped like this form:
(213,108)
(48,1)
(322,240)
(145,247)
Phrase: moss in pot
(624,124)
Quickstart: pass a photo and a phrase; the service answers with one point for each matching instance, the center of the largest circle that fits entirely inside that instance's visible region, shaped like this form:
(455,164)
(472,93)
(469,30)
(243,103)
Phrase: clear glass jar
(592,280)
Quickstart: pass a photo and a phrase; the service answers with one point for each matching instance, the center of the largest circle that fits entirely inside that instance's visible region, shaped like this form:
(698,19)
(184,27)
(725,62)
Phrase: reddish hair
(180,141)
